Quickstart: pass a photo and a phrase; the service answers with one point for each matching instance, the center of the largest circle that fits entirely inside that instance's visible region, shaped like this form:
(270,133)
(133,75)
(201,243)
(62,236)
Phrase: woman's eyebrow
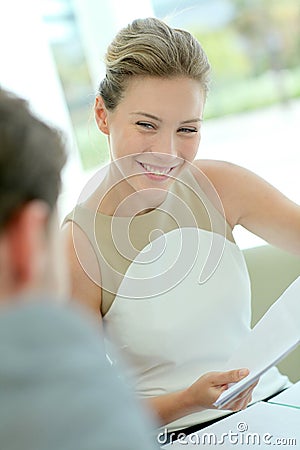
(151,116)
(196,119)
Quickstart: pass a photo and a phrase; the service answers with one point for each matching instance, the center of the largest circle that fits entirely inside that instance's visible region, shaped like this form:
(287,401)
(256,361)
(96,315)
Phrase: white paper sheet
(273,337)
(261,426)
(289,397)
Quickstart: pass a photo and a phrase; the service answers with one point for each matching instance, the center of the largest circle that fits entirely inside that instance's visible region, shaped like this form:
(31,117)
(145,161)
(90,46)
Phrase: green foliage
(225,53)
(252,93)
(254,56)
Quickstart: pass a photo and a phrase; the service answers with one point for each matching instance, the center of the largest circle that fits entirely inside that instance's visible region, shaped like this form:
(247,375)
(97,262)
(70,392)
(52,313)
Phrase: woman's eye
(187,130)
(146,125)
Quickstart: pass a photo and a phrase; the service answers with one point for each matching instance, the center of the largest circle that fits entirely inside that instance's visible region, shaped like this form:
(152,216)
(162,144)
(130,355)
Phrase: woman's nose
(166,145)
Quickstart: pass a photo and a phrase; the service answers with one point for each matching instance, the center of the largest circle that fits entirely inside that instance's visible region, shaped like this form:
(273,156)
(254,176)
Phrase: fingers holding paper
(242,400)
(207,389)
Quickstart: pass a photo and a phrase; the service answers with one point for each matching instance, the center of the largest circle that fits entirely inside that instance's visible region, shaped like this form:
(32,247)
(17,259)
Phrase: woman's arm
(84,269)
(250,201)
(201,395)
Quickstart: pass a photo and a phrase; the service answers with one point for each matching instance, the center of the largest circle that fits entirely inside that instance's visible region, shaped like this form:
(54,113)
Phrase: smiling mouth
(155,170)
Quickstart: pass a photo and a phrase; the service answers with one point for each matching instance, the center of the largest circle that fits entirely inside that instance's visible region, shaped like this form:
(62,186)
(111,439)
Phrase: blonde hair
(149,47)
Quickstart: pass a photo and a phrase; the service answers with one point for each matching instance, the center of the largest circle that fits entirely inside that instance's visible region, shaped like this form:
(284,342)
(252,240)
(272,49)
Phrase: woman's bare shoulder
(215,169)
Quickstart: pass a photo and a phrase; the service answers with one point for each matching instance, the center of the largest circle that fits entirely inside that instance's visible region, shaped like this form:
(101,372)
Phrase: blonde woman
(151,248)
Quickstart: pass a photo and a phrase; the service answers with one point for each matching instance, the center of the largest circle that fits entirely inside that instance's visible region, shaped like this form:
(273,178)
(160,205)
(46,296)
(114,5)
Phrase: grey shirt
(57,388)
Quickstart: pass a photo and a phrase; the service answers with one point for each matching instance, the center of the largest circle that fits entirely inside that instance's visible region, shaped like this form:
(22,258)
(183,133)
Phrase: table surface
(262,425)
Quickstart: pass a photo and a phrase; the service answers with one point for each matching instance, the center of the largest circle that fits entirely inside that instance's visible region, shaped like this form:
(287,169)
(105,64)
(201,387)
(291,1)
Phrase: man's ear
(101,115)
(26,235)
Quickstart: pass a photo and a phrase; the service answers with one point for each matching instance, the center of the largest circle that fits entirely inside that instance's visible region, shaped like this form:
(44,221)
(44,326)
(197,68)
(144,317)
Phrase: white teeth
(155,170)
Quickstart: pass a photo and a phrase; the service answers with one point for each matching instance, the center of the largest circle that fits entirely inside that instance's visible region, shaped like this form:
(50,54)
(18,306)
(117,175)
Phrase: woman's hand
(201,395)
(205,391)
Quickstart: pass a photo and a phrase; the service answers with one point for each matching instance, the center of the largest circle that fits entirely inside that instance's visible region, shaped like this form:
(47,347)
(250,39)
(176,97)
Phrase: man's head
(31,158)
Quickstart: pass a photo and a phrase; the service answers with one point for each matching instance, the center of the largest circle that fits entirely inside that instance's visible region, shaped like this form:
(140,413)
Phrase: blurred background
(52,51)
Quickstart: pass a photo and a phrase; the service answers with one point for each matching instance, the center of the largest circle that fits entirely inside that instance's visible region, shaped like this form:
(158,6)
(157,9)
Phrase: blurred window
(253,107)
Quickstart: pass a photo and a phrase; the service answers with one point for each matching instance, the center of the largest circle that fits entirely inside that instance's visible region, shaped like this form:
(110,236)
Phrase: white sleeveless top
(179,303)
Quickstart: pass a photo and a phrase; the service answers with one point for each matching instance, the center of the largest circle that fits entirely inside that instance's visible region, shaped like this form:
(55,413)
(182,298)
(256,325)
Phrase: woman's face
(155,129)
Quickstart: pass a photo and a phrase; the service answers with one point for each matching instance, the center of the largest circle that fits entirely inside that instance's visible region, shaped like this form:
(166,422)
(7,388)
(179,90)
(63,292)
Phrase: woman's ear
(101,115)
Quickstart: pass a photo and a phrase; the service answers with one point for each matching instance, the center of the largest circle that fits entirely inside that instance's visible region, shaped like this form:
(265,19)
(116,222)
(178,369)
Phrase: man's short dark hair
(31,157)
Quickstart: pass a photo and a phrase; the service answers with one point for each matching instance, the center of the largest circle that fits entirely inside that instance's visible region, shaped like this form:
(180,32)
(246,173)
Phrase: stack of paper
(273,337)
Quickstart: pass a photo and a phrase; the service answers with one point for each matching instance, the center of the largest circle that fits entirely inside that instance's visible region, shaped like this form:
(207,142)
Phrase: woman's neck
(116,197)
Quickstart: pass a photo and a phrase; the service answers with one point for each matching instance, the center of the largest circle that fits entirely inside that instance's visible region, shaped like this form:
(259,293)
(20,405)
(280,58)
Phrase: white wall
(266,141)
